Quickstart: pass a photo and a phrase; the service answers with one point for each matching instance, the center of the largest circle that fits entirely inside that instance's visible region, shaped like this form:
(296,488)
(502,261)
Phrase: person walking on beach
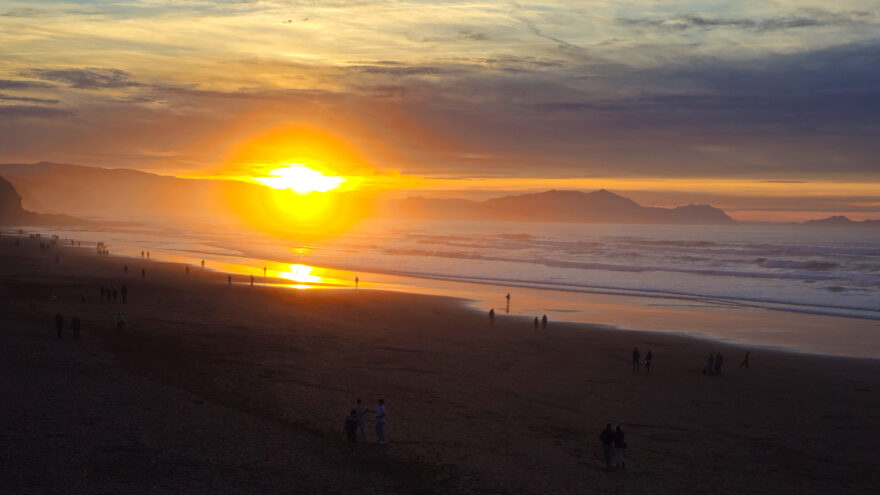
(544,323)
(380,422)
(264,272)
(59,324)
(360,411)
(74,326)
(719,360)
(710,365)
(187,270)
(636,356)
(125,268)
(351,427)
(142,254)
(229,279)
(252,280)
(619,447)
(648,358)
(203,263)
(607,439)
(536,324)
(124,294)
(492,316)
(745,361)
(508,302)
(148,255)
(120,322)
(143,273)
(356,281)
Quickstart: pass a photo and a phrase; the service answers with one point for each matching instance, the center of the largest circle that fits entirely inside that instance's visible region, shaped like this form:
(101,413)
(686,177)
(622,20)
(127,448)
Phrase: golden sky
(704,100)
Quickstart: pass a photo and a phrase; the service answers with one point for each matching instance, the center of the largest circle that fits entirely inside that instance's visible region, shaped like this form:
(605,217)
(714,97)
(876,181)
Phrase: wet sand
(222,389)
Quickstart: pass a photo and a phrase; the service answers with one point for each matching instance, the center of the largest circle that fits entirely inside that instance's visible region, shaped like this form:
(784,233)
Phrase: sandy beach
(238,389)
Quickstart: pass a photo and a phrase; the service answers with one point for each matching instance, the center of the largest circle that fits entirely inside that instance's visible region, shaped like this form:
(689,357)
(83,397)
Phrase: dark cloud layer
(25,111)
(810,18)
(88,78)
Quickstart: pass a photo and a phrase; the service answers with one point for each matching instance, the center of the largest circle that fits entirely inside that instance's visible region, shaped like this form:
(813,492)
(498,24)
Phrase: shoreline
(702,318)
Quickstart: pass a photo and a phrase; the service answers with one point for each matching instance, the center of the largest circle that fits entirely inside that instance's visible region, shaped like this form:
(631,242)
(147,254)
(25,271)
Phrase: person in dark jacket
(648,358)
(351,428)
(607,438)
(59,324)
(619,447)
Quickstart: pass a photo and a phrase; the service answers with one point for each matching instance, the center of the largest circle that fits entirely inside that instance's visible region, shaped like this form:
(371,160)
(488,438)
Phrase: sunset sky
(770,109)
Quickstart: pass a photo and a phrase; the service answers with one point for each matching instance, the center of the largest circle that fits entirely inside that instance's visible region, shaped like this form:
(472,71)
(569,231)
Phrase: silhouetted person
(492,316)
(229,279)
(252,280)
(508,302)
(264,272)
(148,255)
(745,361)
(619,447)
(142,254)
(360,412)
(143,273)
(351,427)
(74,326)
(607,438)
(120,322)
(59,324)
(356,281)
(636,356)
(187,270)
(536,324)
(125,268)
(719,360)
(648,358)
(380,422)
(710,365)
(203,263)
(124,294)
(544,322)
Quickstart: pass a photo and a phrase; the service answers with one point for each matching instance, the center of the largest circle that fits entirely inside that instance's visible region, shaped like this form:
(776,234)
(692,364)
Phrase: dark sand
(217,389)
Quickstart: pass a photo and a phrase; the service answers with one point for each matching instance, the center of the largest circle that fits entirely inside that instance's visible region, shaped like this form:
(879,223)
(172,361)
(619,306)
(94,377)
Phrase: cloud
(88,78)
(11,111)
(27,99)
(810,18)
(22,84)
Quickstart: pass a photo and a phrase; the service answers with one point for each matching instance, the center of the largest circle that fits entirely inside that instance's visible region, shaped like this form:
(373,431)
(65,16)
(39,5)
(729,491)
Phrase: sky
(770,109)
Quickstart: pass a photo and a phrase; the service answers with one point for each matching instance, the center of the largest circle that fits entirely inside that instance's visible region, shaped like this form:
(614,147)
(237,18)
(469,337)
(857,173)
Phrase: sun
(300,179)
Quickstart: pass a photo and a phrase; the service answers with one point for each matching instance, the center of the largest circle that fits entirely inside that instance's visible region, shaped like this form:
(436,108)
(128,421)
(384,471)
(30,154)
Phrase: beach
(231,388)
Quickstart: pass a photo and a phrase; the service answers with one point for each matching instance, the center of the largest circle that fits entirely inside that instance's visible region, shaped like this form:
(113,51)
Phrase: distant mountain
(841,221)
(120,194)
(12,214)
(557,206)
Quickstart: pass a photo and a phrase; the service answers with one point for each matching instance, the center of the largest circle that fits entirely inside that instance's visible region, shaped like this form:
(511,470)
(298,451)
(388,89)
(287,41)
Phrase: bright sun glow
(300,179)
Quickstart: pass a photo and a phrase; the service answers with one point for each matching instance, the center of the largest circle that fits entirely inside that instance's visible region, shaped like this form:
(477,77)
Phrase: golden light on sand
(300,179)
(302,274)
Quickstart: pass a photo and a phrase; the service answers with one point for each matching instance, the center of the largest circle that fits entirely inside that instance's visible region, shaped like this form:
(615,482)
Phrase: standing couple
(613,445)
(357,421)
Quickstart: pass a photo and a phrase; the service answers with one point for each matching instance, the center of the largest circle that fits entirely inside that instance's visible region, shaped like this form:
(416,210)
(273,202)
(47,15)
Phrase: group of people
(356,422)
(112,295)
(636,356)
(74,326)
(613,446)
